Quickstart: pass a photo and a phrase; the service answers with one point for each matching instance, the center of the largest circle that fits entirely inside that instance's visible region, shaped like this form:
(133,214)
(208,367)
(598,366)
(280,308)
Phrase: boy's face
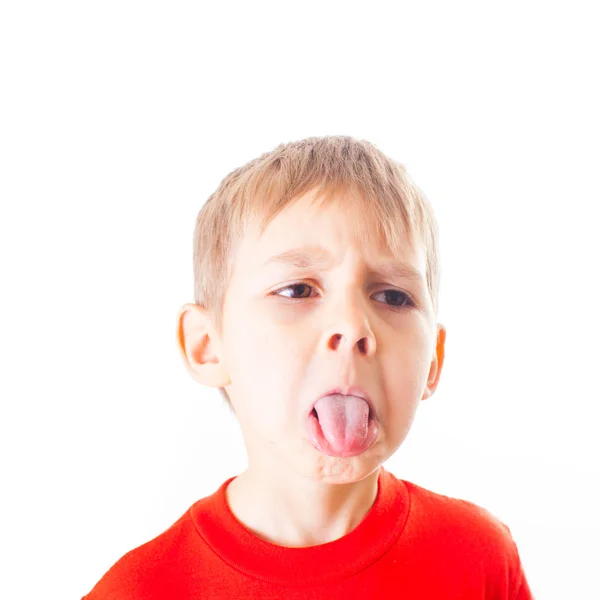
(282,348)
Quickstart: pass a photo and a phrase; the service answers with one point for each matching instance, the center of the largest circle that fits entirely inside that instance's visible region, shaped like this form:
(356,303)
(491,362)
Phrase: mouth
(314,413)
(352,391)
(323,438)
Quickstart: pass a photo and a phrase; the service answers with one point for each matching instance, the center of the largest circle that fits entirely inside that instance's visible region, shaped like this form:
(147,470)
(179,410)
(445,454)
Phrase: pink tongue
(344,421)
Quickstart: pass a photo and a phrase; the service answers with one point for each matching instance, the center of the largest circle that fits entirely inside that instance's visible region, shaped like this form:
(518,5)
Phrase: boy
(316,281)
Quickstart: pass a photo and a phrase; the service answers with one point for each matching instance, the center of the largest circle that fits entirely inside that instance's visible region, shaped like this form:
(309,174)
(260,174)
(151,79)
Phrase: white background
(119,119)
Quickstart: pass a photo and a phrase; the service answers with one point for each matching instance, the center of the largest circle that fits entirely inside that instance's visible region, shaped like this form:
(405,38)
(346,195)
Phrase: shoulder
(439,512)
(470,546)
(453,526)
(140,573)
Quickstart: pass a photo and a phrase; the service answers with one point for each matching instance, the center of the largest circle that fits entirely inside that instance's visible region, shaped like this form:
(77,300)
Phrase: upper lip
(352,390)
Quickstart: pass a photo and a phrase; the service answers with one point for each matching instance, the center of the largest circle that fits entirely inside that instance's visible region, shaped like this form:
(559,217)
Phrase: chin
(336,470)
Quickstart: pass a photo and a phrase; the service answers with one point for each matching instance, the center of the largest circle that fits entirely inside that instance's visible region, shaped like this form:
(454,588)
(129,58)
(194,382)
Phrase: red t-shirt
(412,544)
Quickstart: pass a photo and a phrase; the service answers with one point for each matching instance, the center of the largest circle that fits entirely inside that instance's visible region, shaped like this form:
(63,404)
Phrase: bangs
(381,216)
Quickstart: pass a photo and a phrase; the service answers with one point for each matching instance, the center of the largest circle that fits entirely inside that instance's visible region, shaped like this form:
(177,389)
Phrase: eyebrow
(316,256)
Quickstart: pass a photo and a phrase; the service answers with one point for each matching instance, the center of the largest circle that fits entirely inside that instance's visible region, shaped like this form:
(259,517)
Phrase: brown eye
(397,298)
(298,289)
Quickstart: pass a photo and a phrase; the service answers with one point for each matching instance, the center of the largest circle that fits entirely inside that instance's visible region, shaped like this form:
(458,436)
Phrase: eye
(294,286)
(395,298)
(398,296)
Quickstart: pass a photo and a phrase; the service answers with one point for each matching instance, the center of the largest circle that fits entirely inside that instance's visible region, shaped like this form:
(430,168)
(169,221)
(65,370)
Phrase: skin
(281,348)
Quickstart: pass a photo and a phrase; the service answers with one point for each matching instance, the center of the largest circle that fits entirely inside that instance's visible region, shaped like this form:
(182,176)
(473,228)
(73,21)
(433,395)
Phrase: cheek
(263,360)
(411,380)
(404,373)
(275,332)
(249,337)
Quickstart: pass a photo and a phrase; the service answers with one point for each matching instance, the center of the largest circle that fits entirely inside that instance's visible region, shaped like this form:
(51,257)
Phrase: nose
(349,328)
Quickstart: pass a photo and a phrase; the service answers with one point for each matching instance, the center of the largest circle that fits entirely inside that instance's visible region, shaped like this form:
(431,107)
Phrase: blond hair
(393,209)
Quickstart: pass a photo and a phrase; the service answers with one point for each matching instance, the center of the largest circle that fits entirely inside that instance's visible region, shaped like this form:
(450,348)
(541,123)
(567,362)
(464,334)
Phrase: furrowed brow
(301,258)
(316,256)
(399,270)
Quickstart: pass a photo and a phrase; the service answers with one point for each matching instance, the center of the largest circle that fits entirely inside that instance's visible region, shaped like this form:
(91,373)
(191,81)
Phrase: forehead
(310,228)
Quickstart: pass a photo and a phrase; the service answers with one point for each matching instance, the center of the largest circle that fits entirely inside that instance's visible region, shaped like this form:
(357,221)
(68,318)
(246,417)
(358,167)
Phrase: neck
(294,511)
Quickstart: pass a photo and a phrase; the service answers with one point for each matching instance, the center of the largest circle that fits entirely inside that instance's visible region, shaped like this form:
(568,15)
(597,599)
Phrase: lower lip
(319,441)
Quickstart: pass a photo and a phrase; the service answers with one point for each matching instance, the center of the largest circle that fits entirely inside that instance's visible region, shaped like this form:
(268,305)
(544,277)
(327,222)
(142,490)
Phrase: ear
(436,363)
(200,347)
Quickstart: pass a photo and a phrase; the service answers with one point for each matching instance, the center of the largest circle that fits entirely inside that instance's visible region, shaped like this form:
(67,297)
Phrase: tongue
(344,421)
